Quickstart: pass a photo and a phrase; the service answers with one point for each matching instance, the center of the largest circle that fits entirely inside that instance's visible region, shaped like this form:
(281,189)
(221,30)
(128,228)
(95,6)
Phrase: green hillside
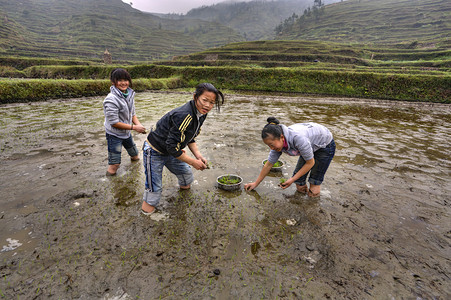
(255,20)
(377,21)
(85,28)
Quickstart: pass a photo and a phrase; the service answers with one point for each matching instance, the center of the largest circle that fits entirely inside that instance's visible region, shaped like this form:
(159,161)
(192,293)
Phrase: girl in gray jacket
(311,141)
(120,119)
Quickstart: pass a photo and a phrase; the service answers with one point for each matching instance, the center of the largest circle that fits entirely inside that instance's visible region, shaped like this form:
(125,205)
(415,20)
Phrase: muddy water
(380,230)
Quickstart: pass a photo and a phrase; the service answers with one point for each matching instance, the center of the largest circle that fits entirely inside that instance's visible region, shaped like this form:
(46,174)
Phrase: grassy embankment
(399,72)
(37,89)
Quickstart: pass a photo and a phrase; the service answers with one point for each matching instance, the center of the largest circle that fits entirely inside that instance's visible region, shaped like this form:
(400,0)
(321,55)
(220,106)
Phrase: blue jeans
(115,148)
(153,169)
(323,157)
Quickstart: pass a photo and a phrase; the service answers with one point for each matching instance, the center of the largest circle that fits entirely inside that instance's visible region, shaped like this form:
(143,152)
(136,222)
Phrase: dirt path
(380,230)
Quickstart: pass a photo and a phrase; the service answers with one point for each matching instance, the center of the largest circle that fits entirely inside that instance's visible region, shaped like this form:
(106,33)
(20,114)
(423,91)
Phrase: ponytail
(202,87)
(272,128)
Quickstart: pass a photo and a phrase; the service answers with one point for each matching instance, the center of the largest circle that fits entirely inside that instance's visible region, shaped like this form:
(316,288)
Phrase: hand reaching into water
(286,184)
(202,159)
(250,186)
(199,164)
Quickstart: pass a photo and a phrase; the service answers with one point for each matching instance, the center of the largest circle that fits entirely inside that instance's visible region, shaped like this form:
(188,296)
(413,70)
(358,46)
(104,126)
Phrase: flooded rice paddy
(381,228)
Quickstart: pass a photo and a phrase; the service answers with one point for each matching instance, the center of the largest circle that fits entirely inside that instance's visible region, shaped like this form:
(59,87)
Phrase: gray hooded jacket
(117,108)
(303,139)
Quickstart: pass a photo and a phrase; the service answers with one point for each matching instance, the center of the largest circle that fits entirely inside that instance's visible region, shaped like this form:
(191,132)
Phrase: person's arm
(303,145)
(305,168)
(195,151)
(265,170)
(123,126)
(196,163)
(138,127)
(178,124)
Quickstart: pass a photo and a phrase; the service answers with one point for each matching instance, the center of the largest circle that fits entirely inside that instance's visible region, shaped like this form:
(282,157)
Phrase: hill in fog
(85,28)
(379,21)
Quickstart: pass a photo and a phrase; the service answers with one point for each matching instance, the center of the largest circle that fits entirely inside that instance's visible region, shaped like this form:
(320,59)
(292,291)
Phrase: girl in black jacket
(164,146)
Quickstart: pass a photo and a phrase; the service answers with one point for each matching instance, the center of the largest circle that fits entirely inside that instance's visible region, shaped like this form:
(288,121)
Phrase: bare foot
(147,208)
(112,169)
(314,190)
(135,158)
(185,187)
(302,188)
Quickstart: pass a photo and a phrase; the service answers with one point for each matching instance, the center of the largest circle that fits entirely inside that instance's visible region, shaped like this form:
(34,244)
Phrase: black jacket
(176,129)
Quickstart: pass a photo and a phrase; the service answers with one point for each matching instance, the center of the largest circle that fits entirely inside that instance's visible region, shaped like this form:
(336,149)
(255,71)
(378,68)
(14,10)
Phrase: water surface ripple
(381,228)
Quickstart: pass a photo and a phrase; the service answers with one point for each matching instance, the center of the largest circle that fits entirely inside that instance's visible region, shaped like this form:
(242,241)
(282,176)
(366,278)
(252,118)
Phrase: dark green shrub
(15,91)
(21,63)
(353,84)
(10,72)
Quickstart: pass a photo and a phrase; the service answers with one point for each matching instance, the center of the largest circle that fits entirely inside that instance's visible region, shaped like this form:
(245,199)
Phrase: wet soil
(380,229)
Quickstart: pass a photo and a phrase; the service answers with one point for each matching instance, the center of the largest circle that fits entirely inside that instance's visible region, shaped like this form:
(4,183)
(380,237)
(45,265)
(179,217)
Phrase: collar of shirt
(198,114)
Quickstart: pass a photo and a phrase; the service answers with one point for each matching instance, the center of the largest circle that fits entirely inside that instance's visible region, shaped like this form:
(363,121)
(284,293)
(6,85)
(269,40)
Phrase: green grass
(422,87)
(28,90)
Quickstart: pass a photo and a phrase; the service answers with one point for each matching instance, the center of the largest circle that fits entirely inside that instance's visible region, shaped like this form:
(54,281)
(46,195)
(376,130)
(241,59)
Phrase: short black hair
(202,87)
(120,74)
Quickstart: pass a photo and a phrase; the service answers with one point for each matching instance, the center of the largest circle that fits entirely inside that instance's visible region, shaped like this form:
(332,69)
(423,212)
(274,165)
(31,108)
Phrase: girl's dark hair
(120,74)
(272,128)
(202,87)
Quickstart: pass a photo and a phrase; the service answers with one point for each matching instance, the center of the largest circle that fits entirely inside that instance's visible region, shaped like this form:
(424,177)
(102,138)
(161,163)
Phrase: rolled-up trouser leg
(323,158)
(185,179)
(181,169)
(153,169)
(152,198)
(130,146)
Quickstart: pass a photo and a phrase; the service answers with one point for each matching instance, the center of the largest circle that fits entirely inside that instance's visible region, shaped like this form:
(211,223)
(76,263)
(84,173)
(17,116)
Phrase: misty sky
(170,6)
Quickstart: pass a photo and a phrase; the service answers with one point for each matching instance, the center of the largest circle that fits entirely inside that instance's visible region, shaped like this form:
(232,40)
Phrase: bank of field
(408,72)
(28,90)
(429,88)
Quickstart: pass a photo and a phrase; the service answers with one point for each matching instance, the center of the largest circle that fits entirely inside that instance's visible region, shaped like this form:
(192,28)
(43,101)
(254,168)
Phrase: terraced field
(375,21)
(316,55)
(306,67)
